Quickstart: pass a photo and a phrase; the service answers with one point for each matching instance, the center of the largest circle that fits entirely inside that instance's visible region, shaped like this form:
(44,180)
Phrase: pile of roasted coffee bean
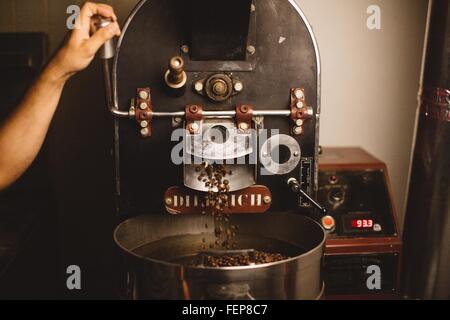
(214,178)
(242,259)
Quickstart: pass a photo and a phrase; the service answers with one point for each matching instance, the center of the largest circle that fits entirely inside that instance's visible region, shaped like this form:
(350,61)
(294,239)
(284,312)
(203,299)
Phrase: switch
(328,223)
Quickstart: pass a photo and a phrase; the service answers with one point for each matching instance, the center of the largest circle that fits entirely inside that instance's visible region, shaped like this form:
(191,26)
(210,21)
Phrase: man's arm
(23,133)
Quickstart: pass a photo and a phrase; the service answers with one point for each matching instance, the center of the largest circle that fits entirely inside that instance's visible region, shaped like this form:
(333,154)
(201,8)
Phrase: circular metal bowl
(157,248)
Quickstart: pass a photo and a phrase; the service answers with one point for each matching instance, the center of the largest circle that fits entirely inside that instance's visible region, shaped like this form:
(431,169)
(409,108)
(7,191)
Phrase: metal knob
(175,76)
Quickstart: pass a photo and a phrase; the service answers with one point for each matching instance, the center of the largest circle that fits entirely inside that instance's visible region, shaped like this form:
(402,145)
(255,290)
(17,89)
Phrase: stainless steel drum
(157,247)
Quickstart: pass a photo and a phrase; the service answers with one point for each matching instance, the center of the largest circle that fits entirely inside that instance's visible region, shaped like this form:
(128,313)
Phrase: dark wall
(80,143)
(79,150)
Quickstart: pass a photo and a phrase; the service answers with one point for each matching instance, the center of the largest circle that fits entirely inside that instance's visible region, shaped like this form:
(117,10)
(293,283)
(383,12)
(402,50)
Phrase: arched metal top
(142,2)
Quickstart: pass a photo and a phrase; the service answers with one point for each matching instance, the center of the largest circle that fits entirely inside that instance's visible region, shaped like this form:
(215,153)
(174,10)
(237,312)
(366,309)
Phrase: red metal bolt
(193,109)
(244,109)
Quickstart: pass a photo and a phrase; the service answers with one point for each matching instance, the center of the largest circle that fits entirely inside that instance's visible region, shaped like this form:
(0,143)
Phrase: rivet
(193,109)
(243,126)
(193,127)
(185,48)
(298,130)
(144,132)
(177,119)
(143,95)
(198,86)
(238,86)
(267,199)
(299,94)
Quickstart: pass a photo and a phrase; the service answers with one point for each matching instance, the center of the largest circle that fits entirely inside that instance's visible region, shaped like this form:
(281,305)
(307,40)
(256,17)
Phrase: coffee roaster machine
(236,82)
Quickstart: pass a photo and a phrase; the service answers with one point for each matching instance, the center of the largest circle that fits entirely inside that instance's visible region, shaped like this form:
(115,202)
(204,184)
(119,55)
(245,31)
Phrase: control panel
(358,200)
(363,236)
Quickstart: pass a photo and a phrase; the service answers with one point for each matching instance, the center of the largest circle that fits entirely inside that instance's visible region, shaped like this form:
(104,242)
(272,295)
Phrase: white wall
(370,79)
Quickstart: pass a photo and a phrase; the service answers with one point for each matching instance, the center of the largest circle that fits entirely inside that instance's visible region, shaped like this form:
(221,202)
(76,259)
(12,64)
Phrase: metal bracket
(244,117)
(299,110)
(193,114)
(144,111)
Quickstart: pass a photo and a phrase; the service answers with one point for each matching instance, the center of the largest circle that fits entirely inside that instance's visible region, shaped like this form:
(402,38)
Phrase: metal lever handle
(295,187)
(107,51)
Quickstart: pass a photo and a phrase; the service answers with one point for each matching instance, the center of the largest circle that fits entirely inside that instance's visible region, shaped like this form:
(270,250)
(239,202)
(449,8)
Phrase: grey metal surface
(150,278)
(269,158)
(219,139)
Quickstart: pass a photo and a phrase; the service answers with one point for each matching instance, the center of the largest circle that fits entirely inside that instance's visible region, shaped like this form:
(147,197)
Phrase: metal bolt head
(143,95)
(198,86)
(193,109)
(299,94)
(168,201)
(238,86)
(299,105)
(220,87)
(267,199)
(144,124)
(310,112)
(144,132)
(299,122)
(193,127)
(244,109)
(177,119)
(296,154)
(298,130)
(251,50)
(243,126)
(143,106)
(185,48)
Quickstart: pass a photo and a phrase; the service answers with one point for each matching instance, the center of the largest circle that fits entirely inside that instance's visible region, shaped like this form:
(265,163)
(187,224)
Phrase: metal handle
(107,53)
(230,113)
(295,186)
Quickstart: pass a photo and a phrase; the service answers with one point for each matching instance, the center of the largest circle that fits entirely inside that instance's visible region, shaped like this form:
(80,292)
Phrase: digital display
(362,223)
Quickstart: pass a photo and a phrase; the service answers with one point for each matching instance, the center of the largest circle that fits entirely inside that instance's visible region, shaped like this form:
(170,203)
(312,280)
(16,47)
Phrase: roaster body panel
(285,57)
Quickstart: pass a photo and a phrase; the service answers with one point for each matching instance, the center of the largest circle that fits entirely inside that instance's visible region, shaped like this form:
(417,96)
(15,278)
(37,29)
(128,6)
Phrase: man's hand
(34,113)
(83,44)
